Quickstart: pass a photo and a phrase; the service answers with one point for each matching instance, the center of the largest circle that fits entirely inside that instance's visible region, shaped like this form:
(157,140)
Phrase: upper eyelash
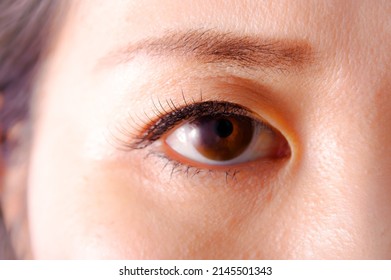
(140,134)
(165,120)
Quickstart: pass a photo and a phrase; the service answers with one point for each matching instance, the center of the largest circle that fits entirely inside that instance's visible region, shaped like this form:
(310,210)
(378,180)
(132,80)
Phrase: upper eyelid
(164,121)
(128,132)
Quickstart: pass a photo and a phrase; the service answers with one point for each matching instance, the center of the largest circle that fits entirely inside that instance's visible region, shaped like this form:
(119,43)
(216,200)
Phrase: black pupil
(222,138)
(224,128)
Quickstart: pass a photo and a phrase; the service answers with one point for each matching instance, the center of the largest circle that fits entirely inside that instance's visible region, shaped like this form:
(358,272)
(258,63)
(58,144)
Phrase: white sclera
(264,143)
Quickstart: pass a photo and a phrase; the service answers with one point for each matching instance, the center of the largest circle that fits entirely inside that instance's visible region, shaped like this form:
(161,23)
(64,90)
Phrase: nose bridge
(351,128)
(356,115)
(347,158)
(349,136)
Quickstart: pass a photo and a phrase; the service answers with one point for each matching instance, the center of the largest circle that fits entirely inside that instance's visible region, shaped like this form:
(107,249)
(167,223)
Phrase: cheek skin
(109,215)
(110,210)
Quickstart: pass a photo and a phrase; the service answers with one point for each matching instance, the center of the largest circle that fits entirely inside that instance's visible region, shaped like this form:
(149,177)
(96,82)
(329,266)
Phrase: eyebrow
(213,47)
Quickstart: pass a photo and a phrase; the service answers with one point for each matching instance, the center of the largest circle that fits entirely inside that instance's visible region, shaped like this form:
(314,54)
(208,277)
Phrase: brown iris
(222,138)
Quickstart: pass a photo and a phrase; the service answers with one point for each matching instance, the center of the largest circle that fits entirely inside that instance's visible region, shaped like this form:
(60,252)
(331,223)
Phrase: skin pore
(316,72)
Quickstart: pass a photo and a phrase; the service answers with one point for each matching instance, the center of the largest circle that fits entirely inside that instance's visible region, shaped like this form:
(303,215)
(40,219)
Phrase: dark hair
(25,26)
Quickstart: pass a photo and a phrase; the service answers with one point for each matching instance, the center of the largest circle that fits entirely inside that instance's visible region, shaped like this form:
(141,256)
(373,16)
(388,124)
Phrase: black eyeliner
(166,121)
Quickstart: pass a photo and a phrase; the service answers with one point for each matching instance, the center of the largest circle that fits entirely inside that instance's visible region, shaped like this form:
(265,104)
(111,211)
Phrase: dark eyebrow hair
(211,46)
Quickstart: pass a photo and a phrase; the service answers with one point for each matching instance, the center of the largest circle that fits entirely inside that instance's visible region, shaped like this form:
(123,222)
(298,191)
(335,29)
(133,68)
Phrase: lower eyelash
(188,170)
(136,135)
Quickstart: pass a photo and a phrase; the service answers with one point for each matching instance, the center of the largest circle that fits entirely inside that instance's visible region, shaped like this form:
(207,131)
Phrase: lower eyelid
(238,175)
(159,157)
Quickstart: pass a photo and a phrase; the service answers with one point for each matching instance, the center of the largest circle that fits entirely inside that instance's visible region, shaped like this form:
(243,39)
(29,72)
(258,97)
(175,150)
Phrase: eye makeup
(165,120)
(230,134)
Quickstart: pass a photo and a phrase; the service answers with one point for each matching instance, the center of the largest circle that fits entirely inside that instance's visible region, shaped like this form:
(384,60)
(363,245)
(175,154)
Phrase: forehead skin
(332,200)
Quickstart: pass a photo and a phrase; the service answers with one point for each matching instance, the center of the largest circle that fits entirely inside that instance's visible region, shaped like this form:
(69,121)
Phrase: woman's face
(214,129)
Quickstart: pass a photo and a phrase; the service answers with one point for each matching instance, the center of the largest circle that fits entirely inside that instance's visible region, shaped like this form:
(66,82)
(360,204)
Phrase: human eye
(213,135)
(224,134)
